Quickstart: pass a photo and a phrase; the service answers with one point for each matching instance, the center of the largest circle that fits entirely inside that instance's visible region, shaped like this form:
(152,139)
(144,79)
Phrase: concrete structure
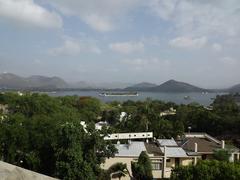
(129,136)
(163,153)
(99,125)
(171,111)
(11,172)
(122,116)
(173,156)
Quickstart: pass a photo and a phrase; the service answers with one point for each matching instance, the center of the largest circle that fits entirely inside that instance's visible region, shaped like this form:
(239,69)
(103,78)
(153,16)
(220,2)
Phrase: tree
(221,155)
(142,170)
(207,170)
(69,154)
(118,170)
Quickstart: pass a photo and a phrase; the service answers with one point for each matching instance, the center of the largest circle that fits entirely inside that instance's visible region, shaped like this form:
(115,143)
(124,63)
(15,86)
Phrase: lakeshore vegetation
(44,134)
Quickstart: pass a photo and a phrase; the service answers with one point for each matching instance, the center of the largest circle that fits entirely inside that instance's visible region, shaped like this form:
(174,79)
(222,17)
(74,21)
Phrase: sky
(131,41)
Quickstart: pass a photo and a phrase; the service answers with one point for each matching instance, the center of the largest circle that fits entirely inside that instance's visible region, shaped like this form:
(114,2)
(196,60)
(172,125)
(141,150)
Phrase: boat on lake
(118,94)
(187,97)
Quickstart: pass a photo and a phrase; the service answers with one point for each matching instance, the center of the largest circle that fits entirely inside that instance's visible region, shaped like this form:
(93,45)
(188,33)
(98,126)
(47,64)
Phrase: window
(156,166)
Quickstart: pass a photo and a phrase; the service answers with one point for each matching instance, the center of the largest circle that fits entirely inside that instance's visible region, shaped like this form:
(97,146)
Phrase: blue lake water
(178,98)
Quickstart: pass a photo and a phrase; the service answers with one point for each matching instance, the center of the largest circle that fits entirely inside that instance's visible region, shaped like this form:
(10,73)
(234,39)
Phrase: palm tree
(118,170)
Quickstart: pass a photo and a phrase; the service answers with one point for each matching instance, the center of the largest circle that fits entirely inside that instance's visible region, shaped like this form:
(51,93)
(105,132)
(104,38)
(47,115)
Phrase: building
(99,125)
(204,146)
(168,112)
(163,153)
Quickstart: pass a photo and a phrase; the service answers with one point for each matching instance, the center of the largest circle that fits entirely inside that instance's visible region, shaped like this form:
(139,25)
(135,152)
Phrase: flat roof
(133,149)
(167,142)
(174,152)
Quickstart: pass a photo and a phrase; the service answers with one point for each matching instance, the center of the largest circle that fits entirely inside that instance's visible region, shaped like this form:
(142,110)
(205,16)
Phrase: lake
(178,98)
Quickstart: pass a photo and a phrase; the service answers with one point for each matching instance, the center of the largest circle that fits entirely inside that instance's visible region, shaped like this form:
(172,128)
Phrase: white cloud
(151,63)
(217,47)
(100,15)
(188,42)
(127,47)
(99,23)
(73,47)
(200,17)
(142,62)
(28,13)
(136,62)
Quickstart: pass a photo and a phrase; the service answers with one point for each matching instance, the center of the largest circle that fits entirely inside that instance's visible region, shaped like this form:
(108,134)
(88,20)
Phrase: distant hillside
(8,80)
(12,81)
(141,86)
(82,85)
(235,89)
(48,82)
(176,86)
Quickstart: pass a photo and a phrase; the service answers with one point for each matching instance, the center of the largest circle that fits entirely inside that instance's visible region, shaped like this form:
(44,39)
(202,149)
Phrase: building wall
(127,160)
(156,173)
(186,161)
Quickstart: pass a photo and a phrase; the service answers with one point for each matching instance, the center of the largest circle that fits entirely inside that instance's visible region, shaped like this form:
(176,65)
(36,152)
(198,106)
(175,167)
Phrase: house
(99,125)
(122,116)
(3,111)
(168,112)
(163,153)
(204,146)
(175,155)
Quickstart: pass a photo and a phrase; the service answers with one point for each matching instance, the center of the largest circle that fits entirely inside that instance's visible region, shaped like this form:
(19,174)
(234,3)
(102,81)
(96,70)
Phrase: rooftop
(167,142)
(133,149)
(174,152)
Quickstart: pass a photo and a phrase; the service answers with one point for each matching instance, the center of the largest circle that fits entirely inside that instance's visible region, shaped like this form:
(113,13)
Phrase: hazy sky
(196,41)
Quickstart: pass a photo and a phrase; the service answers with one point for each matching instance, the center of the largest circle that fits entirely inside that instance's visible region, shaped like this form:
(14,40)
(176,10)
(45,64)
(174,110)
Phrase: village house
(203,145)
(165,154)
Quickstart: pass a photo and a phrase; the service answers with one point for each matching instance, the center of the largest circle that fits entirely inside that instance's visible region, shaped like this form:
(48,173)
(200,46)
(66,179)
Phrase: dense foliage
(222,119)
(44,134)
(208,170)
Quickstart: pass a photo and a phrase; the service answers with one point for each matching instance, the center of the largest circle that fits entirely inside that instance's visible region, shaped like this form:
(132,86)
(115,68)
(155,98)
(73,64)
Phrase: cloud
(188,42)
(73,47)
(141,62)
(99,15)
(28,13)
(151,63)
(99,23)
(136,62)
(217,47)
(127,47)
(198,18)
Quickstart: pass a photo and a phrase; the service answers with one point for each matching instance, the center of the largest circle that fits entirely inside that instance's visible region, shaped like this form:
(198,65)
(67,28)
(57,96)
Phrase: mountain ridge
(12,81)
(170,86)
